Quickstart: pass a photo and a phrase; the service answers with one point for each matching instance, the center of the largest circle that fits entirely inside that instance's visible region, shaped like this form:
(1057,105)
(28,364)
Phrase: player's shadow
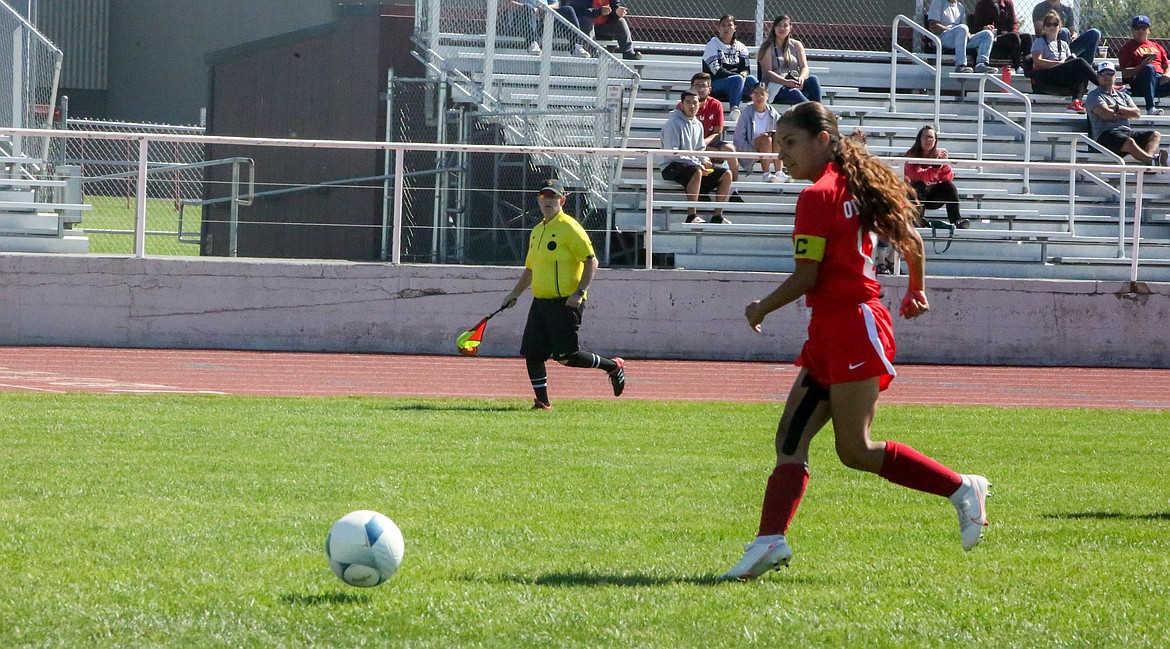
(1155,516)
(439,407)
(300,599)
(594,580)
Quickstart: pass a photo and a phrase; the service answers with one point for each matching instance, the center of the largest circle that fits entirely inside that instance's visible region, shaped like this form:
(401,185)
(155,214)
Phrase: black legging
(1069,78)
(1012,45)
(939,194)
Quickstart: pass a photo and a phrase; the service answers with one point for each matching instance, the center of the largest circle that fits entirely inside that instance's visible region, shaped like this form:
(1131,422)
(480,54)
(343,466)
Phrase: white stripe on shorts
(875,339)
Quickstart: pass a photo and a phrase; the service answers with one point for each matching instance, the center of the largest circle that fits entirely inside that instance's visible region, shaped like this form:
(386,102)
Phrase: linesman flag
(468,342)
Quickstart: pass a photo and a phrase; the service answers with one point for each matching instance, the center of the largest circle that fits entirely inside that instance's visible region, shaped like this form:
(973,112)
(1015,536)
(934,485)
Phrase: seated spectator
(683,134)
(1083,45)
(948,20)
(934,184)
(531,12)
(710,115)
(1055,70)
(753,132)
(1144,65)
(607,20)
(1000,17)
(1110,110)
(784,68)
(726,60)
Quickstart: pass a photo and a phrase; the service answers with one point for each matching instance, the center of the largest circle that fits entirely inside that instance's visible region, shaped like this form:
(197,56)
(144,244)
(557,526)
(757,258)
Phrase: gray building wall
(158,71)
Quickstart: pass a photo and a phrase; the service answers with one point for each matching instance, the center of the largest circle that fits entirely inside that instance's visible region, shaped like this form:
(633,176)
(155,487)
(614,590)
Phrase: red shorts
(850,345)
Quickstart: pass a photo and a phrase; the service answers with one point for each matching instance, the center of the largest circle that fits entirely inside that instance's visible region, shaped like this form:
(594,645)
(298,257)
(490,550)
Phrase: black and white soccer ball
(364,548)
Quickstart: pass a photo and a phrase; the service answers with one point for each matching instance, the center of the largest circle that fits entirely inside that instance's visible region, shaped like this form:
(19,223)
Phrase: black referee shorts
(551,329)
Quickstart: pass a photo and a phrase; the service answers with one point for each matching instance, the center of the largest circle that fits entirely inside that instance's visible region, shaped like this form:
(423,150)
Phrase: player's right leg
(805,413)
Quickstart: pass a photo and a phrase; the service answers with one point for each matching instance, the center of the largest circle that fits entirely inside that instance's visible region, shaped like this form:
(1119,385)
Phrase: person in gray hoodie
(683,134)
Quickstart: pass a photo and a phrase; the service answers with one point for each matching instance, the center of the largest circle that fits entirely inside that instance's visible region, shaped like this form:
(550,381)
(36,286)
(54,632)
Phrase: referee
(560,266)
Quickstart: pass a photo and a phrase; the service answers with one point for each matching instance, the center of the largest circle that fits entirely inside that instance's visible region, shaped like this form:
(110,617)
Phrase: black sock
(539,378)
(587,359)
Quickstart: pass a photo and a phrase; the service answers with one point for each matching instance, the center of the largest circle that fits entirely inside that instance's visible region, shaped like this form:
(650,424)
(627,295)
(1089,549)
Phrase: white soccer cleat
(759,557)
(970,500)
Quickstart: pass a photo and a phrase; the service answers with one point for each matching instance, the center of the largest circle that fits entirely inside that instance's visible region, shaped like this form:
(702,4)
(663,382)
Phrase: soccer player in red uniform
(847,360)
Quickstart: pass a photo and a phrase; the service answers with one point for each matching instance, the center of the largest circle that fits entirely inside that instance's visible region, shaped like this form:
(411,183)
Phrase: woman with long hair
(726,60)
(1055,69)
(933,184)
(847,359)
(784,67)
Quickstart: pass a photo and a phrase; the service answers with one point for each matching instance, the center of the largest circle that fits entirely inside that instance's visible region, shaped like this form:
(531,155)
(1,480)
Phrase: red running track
(77,369)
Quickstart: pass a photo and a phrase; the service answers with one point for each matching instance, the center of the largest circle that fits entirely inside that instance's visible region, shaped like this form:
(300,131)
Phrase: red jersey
(828,230)
(711,116)
(1132,52)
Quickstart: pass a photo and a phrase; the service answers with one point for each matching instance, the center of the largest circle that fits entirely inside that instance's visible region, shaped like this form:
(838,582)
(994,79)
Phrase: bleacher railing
(897,50)
(30,69)
(572,100)
(403,207)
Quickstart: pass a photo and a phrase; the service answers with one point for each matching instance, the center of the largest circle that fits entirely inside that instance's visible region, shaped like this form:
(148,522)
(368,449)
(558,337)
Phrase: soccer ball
(364,548)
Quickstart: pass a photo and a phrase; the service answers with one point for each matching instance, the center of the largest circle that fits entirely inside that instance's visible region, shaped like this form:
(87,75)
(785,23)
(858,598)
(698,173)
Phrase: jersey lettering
(849,207)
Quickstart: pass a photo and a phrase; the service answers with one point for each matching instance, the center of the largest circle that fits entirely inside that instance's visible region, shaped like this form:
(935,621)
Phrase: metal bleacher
(1014,233)
(1024,225)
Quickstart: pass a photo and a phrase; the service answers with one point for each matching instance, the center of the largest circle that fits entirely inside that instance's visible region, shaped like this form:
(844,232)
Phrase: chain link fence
(30,68)
(109,170)
(855,24)
(477,208)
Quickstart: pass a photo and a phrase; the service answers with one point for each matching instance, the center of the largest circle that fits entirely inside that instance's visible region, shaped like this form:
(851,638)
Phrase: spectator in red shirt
(1000,16)
(934,184)
(1143,64)
(711,117)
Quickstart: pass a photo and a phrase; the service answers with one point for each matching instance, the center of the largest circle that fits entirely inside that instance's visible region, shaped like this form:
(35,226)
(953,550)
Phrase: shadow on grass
(1156,516)
(593,580)
(443,407)
(297,599)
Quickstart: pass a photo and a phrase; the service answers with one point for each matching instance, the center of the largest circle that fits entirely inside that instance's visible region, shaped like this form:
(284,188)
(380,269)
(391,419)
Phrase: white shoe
(759,557)
(1154,111)
(734,116)
(534,48)
(769,177)
(580,51)
(970,500)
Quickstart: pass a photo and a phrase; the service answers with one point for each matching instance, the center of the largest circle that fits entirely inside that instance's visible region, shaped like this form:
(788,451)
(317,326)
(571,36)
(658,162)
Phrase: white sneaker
(970,500)
(769,177)
(1154,111)
(734,116)
(759,557)
(579,50)
(534,48)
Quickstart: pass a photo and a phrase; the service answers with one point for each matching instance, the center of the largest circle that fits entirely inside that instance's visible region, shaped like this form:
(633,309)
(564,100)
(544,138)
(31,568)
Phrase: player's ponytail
(882,198)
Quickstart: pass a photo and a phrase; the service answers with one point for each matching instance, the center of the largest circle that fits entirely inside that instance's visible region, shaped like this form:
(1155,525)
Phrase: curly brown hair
(883,199)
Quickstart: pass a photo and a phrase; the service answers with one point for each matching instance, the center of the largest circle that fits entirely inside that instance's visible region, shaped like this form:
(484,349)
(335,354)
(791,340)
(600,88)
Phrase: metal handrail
(896,49)
(1120,191)
(1025,130)
(401,147)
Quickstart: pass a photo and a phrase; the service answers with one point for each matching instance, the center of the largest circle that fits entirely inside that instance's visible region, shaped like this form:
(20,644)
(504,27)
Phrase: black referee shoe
(617,377)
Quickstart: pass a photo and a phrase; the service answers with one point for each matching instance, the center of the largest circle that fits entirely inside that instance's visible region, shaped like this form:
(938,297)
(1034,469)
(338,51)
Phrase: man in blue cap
(1143,64)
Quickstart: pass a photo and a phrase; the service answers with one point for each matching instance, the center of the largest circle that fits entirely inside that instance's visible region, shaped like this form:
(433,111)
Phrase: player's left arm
(587,273)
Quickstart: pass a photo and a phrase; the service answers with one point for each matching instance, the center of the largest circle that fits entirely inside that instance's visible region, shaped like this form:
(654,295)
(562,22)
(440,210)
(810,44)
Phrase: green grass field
(200,521)
(117,213)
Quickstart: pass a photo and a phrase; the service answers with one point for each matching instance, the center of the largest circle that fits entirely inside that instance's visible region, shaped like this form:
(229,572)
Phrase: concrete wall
(355,307)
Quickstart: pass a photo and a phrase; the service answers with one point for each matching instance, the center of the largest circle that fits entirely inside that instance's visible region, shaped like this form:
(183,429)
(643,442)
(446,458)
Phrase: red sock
(782,497)
(904,466)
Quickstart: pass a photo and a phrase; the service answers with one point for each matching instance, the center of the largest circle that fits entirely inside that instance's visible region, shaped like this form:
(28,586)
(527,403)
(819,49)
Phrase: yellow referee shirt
(557,251)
